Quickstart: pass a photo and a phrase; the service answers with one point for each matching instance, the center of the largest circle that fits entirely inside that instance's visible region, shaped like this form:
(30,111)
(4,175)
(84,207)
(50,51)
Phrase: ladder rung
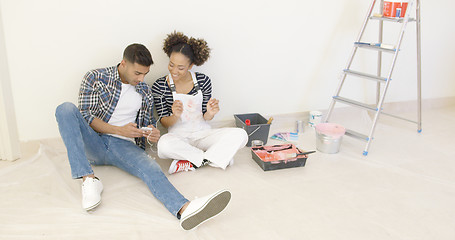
(354,103)
(375,46)
(365,75)
(398,20)
(357,135)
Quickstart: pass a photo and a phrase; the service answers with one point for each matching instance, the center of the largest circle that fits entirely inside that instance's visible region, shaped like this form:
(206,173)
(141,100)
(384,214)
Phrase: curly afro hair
(196,50)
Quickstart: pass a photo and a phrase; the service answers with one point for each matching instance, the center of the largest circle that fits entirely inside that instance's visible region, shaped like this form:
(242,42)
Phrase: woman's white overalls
(191,137)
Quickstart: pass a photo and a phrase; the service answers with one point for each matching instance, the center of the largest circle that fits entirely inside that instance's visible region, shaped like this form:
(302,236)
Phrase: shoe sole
(93,206)
(213,207)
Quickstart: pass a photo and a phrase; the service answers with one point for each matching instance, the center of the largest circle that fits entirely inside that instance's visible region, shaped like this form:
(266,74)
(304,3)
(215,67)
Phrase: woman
(184,104)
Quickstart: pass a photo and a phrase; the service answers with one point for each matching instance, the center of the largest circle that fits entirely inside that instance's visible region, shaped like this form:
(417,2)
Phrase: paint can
(328,137)
(299,128)
(315,118)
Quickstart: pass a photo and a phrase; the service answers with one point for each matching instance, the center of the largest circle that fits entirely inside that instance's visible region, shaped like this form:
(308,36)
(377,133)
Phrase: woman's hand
(177,108)
(213,108)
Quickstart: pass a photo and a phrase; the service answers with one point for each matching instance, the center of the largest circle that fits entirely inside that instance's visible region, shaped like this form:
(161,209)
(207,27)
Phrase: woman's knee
(241,134)
(237,135)
(164,145)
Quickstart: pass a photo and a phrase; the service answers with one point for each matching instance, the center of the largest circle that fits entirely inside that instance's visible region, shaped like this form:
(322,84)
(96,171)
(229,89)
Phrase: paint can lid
(331,129)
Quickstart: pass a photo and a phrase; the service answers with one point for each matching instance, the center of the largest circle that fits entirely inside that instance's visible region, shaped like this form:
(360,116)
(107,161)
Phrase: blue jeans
(86,147)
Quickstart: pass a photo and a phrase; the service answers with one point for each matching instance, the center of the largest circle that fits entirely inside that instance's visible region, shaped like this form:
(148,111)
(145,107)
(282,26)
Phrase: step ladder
(382,81)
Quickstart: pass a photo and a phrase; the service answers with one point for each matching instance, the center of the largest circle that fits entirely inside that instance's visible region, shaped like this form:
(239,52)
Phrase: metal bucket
(328,137)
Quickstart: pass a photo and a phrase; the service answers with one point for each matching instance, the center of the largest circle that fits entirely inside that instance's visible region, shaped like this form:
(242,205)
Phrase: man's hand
(130,130)
(152,136)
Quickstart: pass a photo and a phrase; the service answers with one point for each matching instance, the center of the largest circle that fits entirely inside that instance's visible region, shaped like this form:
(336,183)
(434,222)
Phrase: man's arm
(128,130)
(88,98)
(89,101)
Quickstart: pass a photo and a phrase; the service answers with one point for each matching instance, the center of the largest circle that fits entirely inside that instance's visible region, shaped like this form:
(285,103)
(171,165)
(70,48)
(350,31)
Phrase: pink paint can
(329,136)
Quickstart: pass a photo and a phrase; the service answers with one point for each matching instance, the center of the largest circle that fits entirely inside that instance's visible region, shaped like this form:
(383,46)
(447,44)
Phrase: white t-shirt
(127,108)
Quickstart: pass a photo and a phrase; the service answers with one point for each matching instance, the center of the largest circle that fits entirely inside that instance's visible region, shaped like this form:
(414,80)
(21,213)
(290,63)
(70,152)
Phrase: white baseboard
(391,107)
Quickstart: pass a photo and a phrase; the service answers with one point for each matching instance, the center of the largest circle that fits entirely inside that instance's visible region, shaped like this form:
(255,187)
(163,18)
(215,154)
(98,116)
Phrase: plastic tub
(258,128)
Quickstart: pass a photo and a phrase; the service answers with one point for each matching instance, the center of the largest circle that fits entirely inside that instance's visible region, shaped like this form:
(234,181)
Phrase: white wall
(9,139)
(270,57)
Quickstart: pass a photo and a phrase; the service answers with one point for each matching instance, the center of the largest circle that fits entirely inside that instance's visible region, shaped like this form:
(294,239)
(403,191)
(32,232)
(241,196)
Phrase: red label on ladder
(387,9)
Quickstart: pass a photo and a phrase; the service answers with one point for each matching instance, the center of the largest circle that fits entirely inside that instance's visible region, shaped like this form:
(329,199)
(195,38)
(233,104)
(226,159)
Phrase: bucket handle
(249,135)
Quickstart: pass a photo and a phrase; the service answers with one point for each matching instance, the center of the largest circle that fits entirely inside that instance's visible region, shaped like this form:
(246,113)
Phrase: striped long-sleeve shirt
(162,94)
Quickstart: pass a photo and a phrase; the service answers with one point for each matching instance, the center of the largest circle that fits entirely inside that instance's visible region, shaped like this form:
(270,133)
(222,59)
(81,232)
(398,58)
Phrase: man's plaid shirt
(99,95)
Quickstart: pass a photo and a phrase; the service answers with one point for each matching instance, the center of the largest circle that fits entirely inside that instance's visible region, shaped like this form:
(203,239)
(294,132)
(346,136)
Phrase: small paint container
(257,143)
(299,128)
(398,12)
(315,118)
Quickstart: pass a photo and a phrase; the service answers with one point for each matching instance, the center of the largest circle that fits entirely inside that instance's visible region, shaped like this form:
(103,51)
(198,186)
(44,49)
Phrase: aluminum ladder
(384,81)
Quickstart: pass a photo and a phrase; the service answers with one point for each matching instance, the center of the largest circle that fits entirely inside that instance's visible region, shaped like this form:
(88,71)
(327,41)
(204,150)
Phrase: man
(114,104)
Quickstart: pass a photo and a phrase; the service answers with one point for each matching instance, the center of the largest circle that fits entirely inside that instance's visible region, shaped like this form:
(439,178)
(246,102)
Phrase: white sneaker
(91,193)
(180,166)
(231,162)
(202,209)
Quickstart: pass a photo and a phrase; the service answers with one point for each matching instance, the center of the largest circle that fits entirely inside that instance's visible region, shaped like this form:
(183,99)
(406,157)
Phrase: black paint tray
(278,157)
